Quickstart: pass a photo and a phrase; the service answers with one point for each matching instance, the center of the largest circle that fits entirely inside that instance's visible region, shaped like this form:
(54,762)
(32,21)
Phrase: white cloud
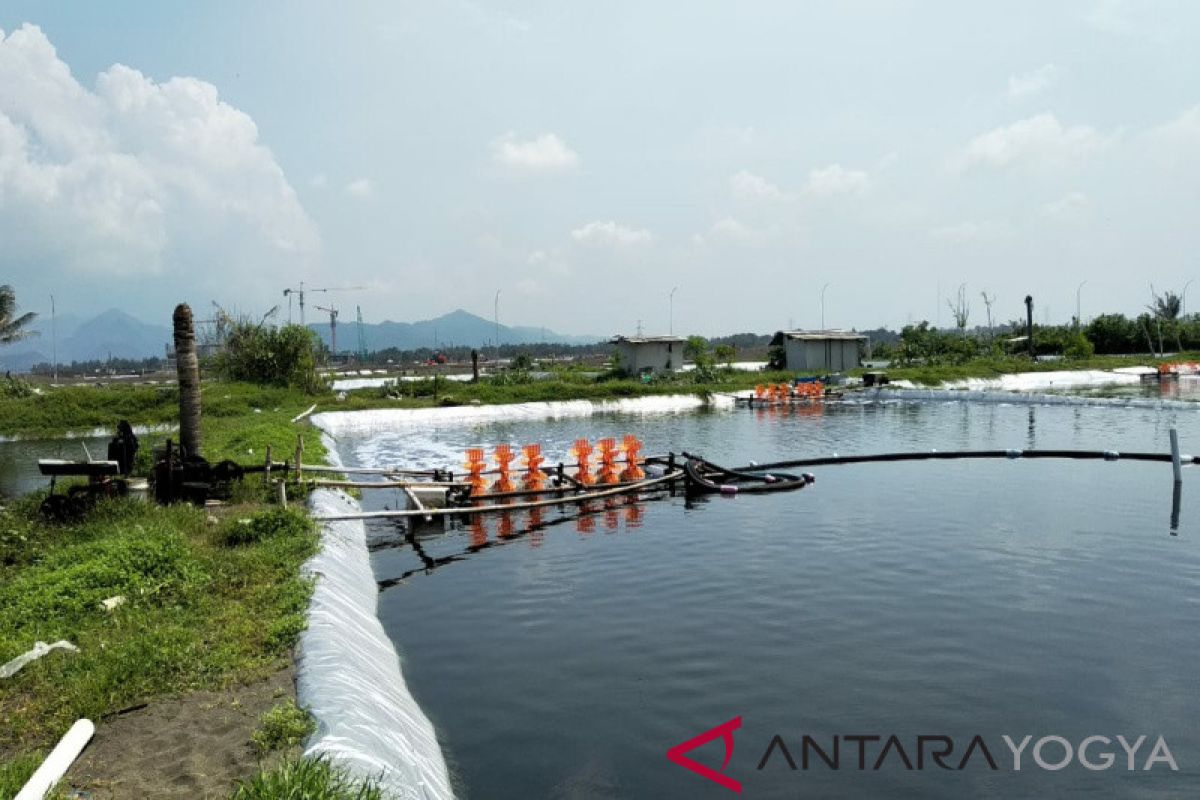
(610,234)
(137,178)
(972,232)
(1072,205)
(745,185)
(836,179)
(730,231)
(1032,83)
(545,153)
(1184,130)
(361,187)
(319,181)
(1041,139)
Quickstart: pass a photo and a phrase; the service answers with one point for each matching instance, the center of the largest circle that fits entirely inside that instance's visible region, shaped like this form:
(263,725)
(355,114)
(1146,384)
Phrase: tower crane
(333,315)
(300,292)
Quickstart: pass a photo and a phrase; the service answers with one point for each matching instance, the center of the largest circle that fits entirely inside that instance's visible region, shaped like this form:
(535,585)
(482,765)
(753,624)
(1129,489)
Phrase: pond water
(18,460)
(951,598)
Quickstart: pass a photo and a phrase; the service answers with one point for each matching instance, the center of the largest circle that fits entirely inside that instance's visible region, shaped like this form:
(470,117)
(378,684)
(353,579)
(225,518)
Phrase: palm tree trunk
(187,368)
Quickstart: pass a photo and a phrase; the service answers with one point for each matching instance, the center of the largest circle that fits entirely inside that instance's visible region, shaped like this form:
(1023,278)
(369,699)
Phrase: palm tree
(12,327)
(1167,305)
(187,368)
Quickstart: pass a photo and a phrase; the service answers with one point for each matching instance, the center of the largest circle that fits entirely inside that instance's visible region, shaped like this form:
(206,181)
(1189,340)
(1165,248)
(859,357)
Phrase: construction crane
(302,291)
(333,315)
(362,338)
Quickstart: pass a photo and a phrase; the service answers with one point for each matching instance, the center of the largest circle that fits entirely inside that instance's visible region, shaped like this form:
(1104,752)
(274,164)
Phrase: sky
(587,160)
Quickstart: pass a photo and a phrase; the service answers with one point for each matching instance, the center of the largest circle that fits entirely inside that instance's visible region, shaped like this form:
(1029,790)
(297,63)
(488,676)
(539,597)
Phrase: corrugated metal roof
(818,336)
(647,339)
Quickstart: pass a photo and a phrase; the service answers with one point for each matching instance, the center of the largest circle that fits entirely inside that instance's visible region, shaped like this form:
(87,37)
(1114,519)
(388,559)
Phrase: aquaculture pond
(966,600)
(18,460)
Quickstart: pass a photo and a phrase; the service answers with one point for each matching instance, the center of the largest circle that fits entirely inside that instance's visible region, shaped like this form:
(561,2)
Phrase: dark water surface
(937,598)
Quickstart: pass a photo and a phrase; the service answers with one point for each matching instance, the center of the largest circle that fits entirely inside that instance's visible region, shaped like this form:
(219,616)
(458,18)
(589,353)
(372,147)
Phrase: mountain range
(116,334)
(459,327)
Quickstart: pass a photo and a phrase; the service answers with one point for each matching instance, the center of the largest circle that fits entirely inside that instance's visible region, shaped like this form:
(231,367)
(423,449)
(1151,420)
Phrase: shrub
(16,388)
(269,356)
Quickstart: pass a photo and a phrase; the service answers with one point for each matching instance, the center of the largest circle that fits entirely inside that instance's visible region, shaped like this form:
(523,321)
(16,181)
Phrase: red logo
(725,731)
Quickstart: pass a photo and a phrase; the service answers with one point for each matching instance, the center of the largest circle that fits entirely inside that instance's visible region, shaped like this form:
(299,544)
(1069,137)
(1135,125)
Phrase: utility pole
(671,319)
(1078,313)
(823,288)
(496,316)
(54,338)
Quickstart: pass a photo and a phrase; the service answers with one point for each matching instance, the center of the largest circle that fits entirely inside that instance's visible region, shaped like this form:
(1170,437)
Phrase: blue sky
(586,158)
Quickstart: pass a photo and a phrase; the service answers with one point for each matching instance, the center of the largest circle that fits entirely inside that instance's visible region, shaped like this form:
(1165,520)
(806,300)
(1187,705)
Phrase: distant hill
(456,328)
(119,335)
(112,333)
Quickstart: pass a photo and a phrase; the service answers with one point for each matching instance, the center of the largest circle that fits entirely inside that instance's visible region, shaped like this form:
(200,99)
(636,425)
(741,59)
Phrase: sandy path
(193,746)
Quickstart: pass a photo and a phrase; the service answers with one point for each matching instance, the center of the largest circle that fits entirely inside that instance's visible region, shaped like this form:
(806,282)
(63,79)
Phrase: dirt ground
(194,746)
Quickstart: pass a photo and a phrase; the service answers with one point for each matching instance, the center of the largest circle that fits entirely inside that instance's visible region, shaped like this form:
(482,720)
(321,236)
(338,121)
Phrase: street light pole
(671,321)
(54,337)
(823,288)
(496,316)
(1078,314)
(1183,297)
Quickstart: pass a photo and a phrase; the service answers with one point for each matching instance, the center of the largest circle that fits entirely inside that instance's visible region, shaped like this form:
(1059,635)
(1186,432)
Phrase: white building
(655,354)
(832,351)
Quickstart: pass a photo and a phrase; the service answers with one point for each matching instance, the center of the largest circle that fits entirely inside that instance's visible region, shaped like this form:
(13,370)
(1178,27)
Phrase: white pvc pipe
(58,762)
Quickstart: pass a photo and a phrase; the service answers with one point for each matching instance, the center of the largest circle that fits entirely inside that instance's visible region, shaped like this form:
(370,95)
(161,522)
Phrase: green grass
(14,773)
(199,613)
(306,779)
(285,725)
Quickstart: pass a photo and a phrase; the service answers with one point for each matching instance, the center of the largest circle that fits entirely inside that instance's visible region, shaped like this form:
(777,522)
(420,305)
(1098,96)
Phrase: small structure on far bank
(638,355)
(833,350)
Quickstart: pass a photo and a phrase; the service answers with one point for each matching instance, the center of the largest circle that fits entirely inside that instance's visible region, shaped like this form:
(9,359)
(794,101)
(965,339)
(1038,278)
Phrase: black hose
(940,455)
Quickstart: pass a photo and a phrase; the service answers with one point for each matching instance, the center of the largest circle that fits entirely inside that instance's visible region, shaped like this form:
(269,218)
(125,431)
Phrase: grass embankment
(212,597)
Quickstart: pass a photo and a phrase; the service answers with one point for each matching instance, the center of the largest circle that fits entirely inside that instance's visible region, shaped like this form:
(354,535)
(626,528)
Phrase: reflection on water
(18,460)
(945,597)
(486,531)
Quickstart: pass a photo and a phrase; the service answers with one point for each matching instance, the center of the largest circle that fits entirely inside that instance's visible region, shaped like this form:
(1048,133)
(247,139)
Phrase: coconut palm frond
(12,327)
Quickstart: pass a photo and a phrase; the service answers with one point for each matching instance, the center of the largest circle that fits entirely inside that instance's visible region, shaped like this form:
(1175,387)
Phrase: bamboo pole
(557,501)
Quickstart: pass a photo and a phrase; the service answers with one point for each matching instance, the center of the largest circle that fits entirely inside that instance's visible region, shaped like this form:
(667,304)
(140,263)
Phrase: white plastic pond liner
(361,423)
(1016,398)
(348,673)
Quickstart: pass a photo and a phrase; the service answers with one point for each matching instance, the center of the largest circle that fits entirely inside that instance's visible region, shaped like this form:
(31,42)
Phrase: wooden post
(299,456)
(281,488)
(267,468)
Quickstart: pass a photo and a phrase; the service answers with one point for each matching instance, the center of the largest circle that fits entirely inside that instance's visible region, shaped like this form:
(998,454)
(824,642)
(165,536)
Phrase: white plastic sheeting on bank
(348,674)
(350,384)
(1016,398)
(359,423)
(1048,381)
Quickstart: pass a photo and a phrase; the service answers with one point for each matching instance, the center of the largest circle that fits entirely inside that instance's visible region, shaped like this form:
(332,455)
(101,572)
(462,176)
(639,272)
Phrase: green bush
(1078,347)
(16,388)
(270,356)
